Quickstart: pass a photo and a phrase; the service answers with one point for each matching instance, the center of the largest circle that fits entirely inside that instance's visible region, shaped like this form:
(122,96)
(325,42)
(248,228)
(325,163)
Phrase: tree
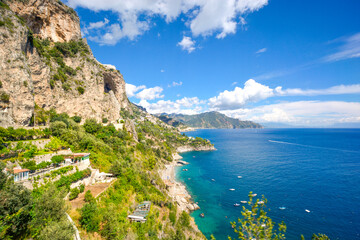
(57,127)
(62,230)
(77,119)
(91,126)
(55,144)
(15,205)
(255,224)
(57,159)
(74,192)
(49,209)
(89,217)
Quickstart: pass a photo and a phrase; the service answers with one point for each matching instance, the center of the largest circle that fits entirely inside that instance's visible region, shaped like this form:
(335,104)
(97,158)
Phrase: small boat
(213,180)
(239,176)
(306,210)
(254,195)
(185,169)
(232,189)
(260,202)
(202,215)
(236,204)
(282,208)
(243,201)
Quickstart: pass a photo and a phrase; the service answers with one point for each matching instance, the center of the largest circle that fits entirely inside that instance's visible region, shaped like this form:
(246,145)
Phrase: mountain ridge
(209,120)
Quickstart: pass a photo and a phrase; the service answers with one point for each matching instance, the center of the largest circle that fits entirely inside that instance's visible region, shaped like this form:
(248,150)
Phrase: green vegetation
(81,90)
(76,119)
(4,97)
(56,160)
(74,193)
(37,215)
(255,224)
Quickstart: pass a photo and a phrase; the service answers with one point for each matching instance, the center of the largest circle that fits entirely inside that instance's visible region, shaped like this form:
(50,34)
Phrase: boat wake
(310,146)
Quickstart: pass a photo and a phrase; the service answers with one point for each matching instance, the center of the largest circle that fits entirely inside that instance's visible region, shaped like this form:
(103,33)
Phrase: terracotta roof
(20,170)
(80,154)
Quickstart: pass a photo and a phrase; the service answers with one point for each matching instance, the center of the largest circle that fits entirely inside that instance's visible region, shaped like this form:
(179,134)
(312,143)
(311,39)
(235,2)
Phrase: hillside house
(19,174)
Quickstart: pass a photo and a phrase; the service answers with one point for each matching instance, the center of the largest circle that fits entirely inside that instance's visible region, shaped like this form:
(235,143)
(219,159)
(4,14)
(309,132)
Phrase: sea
(313,173)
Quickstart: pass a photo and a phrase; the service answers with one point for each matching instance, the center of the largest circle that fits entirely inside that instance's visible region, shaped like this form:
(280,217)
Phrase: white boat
(213,180)
(282,208)
(306,210)
(260,202)
(232,189)
(236,204)
(239,176)
(254,195)
(243,201)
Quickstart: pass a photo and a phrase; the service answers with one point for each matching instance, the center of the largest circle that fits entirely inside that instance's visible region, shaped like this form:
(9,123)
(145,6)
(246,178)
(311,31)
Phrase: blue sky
(295,62)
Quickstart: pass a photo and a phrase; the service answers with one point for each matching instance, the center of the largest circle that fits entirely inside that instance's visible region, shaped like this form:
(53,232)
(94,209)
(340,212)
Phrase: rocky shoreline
(176,190)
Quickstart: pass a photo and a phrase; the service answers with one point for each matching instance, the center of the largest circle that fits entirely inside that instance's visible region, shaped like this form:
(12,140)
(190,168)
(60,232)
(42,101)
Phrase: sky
(271,61)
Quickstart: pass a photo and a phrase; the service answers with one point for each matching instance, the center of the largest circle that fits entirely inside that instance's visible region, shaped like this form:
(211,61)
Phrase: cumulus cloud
(185,106)
(203,17)
(302,113)
(150,93)
(132,89)
(349,49)
(254,92)
(141,92)
(187,44)
(262,50)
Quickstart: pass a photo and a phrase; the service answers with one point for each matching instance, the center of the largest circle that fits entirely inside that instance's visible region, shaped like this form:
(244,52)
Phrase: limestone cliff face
(48,19)
(40,69)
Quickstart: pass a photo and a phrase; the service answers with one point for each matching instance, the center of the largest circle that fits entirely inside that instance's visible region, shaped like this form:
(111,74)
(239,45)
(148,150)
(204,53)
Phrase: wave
(310,146)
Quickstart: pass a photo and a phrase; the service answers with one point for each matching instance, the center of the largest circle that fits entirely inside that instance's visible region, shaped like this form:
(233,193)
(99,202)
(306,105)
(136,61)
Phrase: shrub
(81,188)
(172,217)
(89,217)
(76,119)
(105,120)
(81,90)
(91,126)
(26,84)
(74,193)
(184,219)
(4,97)
(52,83)
(1,85)
(57,159)
(66,86)
(89,197)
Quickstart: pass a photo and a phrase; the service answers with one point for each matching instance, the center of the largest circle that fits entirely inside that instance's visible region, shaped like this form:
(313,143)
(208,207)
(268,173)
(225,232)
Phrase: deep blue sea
(314,169)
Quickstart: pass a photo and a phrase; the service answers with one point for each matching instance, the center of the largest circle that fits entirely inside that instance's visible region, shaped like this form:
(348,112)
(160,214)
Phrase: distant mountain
(207,120)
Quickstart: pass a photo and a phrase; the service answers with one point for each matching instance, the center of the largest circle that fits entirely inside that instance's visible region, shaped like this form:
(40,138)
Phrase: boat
(213,180)
(306,210)
(260,202)
(202,215)
(282,208)
(185,169)
(254,195)
(236,204)
(243,201)
(232,189)
(239,176)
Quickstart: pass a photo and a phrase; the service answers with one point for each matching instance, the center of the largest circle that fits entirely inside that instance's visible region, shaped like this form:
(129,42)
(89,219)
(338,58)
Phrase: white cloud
(204,17)
(350,49)
(175,84)
(185,106)
(150,93)
(132,89)
(234,83)
(162,70)
(262,50)
(187,44)
(254,92)
(302,113)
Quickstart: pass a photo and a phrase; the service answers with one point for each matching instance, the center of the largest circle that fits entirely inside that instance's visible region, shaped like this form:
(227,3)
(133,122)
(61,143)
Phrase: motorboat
(202,215)
(239,176)
(306,210)
(236,204)
(232,189)
(213,180)
(185,169)
(282,208)
(260,202)
(243,201)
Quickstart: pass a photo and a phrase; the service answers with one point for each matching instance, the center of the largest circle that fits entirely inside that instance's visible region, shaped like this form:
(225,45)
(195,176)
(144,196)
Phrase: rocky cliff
(45,64)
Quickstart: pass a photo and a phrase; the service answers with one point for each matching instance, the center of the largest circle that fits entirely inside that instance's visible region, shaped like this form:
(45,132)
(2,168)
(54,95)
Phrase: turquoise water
(314,169)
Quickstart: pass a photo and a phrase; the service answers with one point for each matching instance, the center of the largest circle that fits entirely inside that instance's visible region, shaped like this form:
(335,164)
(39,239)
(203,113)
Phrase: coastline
(177,190)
